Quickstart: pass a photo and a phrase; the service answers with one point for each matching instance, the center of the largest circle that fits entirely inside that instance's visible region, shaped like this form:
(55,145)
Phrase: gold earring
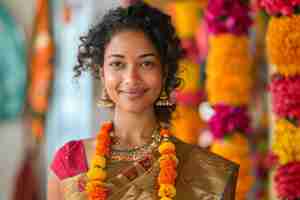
(105,101)
(163,99)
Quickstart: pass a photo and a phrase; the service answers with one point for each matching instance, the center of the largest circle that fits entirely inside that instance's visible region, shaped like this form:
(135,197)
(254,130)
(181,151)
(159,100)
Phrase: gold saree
(201,175)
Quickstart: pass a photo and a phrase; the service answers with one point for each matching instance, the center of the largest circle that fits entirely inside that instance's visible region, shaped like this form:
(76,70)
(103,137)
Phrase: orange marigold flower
(229,54)
(229,89)
(98,193)
(283,44)
(229,70)
(168,163)
(167,175)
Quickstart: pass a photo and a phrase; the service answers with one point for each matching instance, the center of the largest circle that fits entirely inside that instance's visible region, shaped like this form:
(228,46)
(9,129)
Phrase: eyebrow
(146,55)
(116,55)
(141,56)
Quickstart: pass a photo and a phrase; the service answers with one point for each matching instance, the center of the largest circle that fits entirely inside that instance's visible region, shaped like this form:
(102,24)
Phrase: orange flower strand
(96,174)
(283,44)
(229,54)
(167,175)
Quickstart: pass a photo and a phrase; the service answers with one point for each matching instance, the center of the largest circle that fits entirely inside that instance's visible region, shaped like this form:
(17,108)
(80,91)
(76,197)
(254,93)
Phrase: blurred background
(42,105)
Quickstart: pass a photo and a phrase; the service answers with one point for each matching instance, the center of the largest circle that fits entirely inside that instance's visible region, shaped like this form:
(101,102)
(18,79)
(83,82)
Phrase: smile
(133,93)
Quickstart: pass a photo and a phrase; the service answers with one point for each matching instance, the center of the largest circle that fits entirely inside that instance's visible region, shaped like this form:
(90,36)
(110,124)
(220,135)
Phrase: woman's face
(132,71)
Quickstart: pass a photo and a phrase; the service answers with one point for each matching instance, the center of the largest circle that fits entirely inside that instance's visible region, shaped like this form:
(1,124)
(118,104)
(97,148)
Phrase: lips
(134,93)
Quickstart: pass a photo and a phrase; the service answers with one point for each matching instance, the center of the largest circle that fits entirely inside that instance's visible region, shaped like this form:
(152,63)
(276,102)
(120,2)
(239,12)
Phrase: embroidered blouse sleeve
(69,160)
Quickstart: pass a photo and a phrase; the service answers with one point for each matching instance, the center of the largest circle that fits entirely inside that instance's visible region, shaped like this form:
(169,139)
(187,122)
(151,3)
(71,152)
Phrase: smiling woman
(135,52)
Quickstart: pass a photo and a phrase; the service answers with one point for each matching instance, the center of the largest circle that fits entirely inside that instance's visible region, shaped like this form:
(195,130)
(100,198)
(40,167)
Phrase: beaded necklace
(97,175)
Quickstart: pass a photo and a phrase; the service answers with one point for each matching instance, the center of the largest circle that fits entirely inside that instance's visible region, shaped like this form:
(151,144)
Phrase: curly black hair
(156,25)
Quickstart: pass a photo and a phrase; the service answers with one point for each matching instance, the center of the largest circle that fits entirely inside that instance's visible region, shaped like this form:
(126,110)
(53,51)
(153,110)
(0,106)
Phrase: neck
(134,129)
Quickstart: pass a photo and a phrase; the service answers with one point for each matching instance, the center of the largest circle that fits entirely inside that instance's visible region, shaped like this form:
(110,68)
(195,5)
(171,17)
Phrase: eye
(147,64)
(117,65)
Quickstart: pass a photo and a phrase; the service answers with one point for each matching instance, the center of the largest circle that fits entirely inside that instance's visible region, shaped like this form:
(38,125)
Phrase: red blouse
(70,160)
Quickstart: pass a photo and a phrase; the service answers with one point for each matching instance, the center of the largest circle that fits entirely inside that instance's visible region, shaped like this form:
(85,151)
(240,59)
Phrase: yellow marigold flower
(229,55)
(283,44)
(286,141)
(166,146)
(97,174)
(167,190)
(99,161)
(186,23)
(92,184)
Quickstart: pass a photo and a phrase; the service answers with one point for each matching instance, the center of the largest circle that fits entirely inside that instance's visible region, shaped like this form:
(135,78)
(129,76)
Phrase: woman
(135,52)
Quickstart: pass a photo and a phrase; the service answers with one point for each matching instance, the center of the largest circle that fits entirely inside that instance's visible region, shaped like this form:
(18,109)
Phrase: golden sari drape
(201,175)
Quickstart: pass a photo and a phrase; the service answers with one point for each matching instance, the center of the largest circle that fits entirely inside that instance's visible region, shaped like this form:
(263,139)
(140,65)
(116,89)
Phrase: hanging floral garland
(186,123)
(283,51)
(229,82)
(41,70)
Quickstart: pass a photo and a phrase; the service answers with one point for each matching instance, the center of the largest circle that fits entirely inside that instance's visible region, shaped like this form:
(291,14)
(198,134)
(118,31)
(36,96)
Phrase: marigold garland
(229,89)
(97,174)
(229,70)
(286,141)
(186,124)
(283,44)
(229,54)
(186,22)
(168,163)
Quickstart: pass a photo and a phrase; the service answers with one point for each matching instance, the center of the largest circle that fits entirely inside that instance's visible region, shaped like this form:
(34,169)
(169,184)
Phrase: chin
(135,107)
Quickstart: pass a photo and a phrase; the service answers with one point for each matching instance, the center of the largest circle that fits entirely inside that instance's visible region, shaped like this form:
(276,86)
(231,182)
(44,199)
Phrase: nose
(132,74)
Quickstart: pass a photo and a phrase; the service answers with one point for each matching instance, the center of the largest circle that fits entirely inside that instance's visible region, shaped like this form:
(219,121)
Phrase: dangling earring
(163,99)
(105,100)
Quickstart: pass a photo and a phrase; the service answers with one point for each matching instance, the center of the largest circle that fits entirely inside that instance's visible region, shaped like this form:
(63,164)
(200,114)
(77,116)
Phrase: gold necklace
(138,152)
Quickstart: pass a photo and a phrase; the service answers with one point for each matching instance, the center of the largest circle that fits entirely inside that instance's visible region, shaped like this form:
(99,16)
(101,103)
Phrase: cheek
(111,80)
(155,81)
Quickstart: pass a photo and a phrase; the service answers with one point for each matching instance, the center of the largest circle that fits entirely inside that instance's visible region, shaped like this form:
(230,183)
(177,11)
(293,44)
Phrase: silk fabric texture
(201,175)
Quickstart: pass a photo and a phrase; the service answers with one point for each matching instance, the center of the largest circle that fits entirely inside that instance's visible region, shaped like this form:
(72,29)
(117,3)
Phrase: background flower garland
(229,81)
(283,50)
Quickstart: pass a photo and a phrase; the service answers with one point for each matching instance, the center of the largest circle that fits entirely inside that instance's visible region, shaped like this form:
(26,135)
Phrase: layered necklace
(97,175)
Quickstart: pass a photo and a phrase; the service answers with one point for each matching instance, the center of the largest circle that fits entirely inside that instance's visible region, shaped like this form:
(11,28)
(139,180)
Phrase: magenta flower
(228,16)
(283,7)
(287,179)
(228,119)
(286,96)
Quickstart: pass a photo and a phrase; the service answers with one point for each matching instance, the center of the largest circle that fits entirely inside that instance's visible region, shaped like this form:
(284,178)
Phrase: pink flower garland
(228,119)
(283,7)
(228,16)
(286,96)
(287,180)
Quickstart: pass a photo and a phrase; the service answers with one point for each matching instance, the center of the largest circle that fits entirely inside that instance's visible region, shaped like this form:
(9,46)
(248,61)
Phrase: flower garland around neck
(96,188)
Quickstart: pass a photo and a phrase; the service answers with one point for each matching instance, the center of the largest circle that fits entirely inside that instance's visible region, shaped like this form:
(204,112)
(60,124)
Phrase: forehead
(130,42)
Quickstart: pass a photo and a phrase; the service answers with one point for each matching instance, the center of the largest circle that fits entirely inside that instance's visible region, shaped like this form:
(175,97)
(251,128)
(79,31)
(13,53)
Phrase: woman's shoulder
(203,170)
(70,160)
(199,154)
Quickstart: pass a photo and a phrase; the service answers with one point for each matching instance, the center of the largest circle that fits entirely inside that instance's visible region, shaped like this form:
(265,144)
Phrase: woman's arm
(54,190)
